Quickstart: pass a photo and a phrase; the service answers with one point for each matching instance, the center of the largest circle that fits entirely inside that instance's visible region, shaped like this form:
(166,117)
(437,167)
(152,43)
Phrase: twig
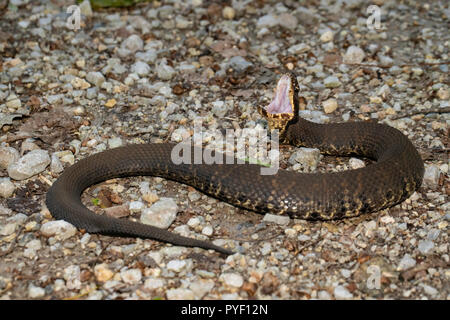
(436,110)
(13,243)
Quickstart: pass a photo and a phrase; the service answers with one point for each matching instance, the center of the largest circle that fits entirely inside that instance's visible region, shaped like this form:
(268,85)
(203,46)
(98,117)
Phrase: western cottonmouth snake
(396,174)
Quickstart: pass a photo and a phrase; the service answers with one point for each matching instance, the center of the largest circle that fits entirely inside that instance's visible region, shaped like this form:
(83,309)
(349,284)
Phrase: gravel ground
(145,73)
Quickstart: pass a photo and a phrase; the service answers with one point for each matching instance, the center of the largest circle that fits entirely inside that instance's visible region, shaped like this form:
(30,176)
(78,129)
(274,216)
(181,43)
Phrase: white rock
(307,158)
(131,276)
(180,134)
(176,265)
(356,163)
(354,54)
(96,78)
(431,175)
(429,290)
(154,283)
(425,246)
(56,165)
(239,64)
(34,244)
(72,277)
(406,263)
(180,294)
(141,68)
(331,82)
(228,13)
(35,292)
(232,279)
(8,229)
(299,48)
(327,36)
(60,229)
(267,21)
(193,222)
(201,287)
(148,56)
(323,295)
(161,214)
(115,142)
(207,231)
(133,43)
(164,71)
(281,220)
(329,105)
(6,187)
(13,102)
(340,292)
(136,206)
(85,8)
(29,165)
(8,155)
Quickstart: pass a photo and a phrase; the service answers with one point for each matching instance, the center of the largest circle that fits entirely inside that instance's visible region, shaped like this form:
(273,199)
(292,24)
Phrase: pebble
(330,105)
(180,134)
(176,265)
(148,56)
(354,54)
(201,287)
(278,219)
(136,206)
(55,164)
(340,292)
(331,82)
(299,48)
(13,102)
(29,165)
(180,294)
(327,36)
(429,290)
(307,159)
(131,276)
(161,214)
(356,163)
(6,187)
(323,295)
(96,78)
(8,155)
(35,292)
(8,229)
(431,175)
(425,246)
(60,229)
(118,211)
(228,13)
(193,222)
(443,94)
(239,64)
(194,196)
(85,8)
(103,273)
(141,68)
(207,231)
(287,21)
(72,277)
(133,43)
(164,71)
(406,263)
(232,279)
(267,21)
(154,283)
(115,142)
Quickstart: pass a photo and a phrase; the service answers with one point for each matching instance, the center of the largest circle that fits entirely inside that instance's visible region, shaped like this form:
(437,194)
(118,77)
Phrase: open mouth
(282,102)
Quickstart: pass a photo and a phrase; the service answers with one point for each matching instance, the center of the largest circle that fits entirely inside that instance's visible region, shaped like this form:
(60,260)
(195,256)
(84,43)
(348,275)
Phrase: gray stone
(281,220)
(96,78)
(239,64)
(232,279)
(176,265)
(60,229)
(180,294)
(267,21)
(161,214)
(6,187)
(29,165)
(131,276)
(307,158)
(164,71)
(8,155)
(141,68)
(133,43)
(406,263)
(425,246)
(431,175)
(148,56)
(56,165)
(331,82)
(340,292)
(354,54)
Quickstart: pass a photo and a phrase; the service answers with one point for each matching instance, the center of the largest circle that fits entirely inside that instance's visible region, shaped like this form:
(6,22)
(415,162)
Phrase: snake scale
(396,173)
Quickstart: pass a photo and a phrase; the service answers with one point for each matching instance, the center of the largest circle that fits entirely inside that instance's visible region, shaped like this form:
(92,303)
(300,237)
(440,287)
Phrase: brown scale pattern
(396,174)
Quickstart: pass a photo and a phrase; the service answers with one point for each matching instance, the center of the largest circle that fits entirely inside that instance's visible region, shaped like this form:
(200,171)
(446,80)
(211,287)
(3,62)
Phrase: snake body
(395,175)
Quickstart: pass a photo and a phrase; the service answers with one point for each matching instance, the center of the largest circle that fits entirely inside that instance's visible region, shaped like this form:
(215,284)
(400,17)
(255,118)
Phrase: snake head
(284,107)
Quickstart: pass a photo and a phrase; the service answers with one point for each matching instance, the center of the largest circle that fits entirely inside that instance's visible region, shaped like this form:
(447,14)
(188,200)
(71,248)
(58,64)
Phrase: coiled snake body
(396,174)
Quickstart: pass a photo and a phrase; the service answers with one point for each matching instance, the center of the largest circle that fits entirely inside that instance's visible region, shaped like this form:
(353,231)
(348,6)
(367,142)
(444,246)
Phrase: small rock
(29,165)
(103,273)
(323,295)
(72,277)
(340,292)
(141,68)
(56,165)
(133,43)
(193,222)
(239,64)
(6,187)
(406,263)
(207,231)
(431,175)
(331,82)
(13,102)
(35,292)
(330,105)
(232,279)
(164,71)
(443,94)
(201,287)
(96,78)
(59,229)
(110,103)
(176,265)
(180,134)
(154,283)
(281,220)
(180,294)
(429,290)
(118,211)
(425,246)
(8,229)
(131,276)
(115,142)
(136,206)
(194,196)
(354,54)
(327,36)
(150,197)
(307,158)
(287,21)
(85,8)
(228,13)
(161,214)
(8,155)
(267,21)
(79,83)
(299,48)
(356,163)
(219,108)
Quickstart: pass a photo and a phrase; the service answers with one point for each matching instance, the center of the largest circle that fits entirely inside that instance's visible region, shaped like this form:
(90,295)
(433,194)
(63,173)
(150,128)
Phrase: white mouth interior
(281,103)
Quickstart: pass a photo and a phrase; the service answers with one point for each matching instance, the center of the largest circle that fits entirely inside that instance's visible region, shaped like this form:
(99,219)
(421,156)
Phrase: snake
(395,172)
